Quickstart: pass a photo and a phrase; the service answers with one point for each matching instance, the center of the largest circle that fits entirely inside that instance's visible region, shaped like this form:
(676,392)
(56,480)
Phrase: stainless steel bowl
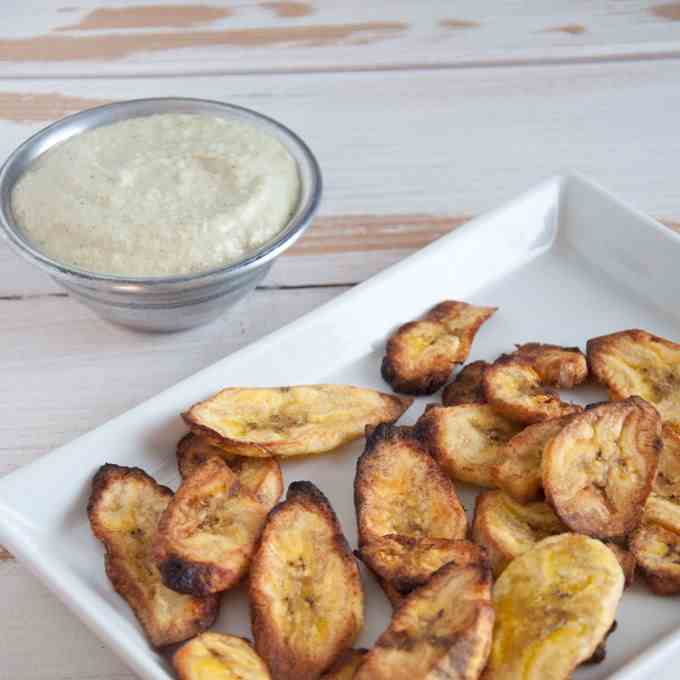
(161,303)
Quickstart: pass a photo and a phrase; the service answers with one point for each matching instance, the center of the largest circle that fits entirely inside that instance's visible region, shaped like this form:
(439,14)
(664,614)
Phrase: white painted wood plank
(398,147)
(96,38)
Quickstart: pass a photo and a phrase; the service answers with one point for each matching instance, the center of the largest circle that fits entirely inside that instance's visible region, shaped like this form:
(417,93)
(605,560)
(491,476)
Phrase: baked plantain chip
(518,470)
(420,354)
(563,367)
(407,563)
(261,476)
(305,591)
(635,362)
(291,421)
(124,508)
(399,489)
(656,543)
(466,440)
(599,470)
(514,388)
(207,534)
(346,665)
(467,387)
(554,605)
(442,630)
(626,560)
(214,656)
(508,529)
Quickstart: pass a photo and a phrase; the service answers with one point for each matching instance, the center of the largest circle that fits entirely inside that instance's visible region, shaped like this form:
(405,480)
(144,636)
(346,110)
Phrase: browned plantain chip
(346,665)
(399,489)
(556,366)
(420,354)
(406,563)
(208,532)
(305,591)
(214,656)
(599,470)
(466,440)
(514,388)
(626,560)
(261,476)
(656,543)
(467,388)
(518,470)
(554,605)
(508,529)
(124,508)
(635,362)
(291,421)
(442,630)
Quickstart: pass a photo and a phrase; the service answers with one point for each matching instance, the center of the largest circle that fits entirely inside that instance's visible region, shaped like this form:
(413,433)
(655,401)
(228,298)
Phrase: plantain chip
(407,563)
(214,656)
(599,470)
(291,421)
(514,388)
(508,529)
(518,470)
(399,489)
(441,631)
(261,476)
(627,562)
(207,534)
(346,665)
(467,440)
(467,387)
(420,354)
(124,508)
(554,605)
(656,543)
(635,362)
(305,591)
(563,367)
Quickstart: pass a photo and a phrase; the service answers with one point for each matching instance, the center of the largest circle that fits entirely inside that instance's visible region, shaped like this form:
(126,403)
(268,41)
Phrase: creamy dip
(156,196)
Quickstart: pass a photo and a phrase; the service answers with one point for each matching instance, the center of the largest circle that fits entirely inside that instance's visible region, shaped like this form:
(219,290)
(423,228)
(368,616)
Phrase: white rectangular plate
(563,263)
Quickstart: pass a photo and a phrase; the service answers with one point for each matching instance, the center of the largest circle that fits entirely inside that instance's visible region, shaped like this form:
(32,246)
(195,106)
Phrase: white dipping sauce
(158,196)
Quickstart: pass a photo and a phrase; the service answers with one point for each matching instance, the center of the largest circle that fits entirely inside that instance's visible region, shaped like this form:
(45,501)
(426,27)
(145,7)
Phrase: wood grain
(151,16)
(97,38)
(41,107)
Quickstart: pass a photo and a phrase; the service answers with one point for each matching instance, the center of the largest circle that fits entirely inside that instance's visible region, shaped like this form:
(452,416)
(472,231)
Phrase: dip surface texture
(162,195)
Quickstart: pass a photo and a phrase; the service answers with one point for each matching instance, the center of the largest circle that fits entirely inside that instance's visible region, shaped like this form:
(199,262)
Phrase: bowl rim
(137,108)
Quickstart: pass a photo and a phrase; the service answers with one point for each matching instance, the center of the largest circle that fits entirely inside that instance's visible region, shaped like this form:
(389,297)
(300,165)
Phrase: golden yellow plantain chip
(261,476)
(261,422)
(214,656)
(441,631)
(468,386)
(124,508)
(554,605)
(514,388)
(346,665)
(626,560)
(599,470)
(208,532)
(508,529)
(563,367)
(305,591)
(421,354)
(656,543)
(518,470)
(467,440)
(406,563)
(399,489)
(635,362)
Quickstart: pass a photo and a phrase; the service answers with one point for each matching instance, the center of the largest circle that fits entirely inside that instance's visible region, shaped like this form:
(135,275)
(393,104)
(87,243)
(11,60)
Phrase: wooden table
(421,113)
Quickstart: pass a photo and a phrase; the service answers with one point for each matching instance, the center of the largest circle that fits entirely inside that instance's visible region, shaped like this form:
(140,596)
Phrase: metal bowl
(161,303)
